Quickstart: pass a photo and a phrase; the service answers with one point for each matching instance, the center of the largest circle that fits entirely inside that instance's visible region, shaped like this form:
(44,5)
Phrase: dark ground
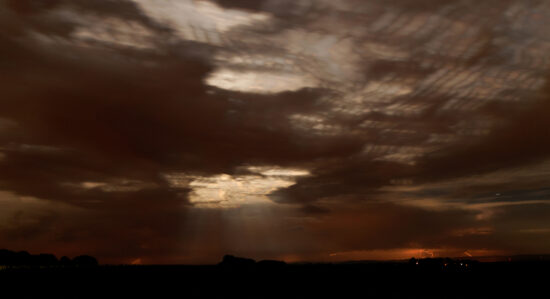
(244,279)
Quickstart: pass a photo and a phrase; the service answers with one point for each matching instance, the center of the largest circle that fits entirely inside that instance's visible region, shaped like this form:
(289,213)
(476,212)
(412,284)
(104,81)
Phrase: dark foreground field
(427,279)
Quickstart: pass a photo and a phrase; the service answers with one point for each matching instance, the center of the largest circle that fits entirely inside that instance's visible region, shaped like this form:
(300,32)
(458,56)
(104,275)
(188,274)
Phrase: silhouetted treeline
(23,258)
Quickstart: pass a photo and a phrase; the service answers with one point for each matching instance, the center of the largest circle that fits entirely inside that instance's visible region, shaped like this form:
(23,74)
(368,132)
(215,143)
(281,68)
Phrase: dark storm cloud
(517,133)
(112,119)
(96,127)
(95,120)
(521,139)
(357,178)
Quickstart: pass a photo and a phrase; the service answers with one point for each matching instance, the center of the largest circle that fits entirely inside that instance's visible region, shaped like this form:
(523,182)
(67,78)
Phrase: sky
(177,131)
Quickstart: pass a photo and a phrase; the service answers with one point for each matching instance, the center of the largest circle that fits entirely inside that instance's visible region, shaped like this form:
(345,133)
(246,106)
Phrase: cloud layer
(306,130)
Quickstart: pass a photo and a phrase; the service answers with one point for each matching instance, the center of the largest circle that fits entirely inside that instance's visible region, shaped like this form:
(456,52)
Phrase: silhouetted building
(16,259)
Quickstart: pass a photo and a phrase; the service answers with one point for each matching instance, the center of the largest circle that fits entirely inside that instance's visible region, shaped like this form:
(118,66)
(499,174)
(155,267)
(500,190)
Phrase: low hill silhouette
(240,263)
(238,277)
(23,258)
